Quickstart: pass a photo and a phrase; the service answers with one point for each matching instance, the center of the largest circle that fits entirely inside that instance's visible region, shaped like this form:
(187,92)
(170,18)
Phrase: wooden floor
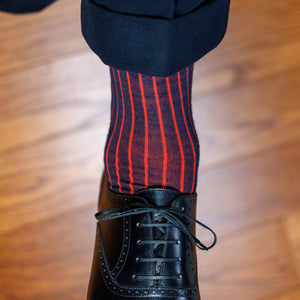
(54,114)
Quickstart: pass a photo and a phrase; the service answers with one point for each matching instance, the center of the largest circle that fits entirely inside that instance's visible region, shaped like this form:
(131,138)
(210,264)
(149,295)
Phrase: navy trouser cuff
(23,6)
(153,45)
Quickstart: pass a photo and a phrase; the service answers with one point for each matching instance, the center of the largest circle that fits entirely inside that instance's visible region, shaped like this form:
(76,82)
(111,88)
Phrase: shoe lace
(162,217)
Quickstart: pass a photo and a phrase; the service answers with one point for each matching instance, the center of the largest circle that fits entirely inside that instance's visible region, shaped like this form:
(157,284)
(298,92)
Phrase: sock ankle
(152,141)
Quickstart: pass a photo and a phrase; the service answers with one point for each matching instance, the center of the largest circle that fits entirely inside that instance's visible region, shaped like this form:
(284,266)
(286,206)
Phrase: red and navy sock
(152,141)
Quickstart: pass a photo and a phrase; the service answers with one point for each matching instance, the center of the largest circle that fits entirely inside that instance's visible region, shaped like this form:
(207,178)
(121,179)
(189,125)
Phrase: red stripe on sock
(131,135)
(165,162)
(146,130)
(187,129)
(117,149)
(112,135)
(178,137)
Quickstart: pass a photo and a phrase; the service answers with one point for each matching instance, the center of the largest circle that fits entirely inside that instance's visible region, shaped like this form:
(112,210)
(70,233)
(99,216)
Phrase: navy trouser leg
(23,6)
(154,37)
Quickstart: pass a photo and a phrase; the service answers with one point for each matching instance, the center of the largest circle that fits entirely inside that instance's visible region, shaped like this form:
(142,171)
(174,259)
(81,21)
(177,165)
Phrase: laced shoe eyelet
(133,276)
(179,276)
(138,242)
(178,242)
(137,259)
(182,208)
(179,258)
(138,224)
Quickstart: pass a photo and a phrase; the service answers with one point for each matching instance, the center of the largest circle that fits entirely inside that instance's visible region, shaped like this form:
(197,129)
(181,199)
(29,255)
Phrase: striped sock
(152,140)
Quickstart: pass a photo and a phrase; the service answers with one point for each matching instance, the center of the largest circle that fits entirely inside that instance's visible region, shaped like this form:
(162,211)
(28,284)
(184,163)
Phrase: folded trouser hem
(23,6)
(151,45)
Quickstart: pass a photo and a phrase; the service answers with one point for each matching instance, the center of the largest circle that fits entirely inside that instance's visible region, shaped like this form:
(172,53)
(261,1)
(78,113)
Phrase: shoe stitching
(116,288)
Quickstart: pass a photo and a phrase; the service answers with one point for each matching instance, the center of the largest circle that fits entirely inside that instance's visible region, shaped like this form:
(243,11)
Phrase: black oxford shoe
(145,246)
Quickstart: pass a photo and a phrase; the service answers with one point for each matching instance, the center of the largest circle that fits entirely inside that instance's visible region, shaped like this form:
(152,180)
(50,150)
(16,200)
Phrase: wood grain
(28,40)
(292,295)
(54,116)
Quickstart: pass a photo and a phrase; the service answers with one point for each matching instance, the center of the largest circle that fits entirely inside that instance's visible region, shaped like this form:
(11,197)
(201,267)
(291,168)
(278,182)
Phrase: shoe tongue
(158,196)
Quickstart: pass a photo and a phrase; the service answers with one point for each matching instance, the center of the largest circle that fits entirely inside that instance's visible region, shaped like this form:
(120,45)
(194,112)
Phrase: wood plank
(27,40)
(54,115)
(251,264)
(292,227)
(48,260)
(289,295)
(249,85)
(255,190)
(53,135)
(256,46)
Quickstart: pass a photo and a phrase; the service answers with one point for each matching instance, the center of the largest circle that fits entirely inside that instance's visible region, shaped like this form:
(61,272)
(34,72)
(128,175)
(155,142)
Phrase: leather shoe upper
(145,246)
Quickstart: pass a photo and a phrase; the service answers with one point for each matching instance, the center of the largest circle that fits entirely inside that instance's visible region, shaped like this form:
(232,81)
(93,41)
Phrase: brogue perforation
(145,246)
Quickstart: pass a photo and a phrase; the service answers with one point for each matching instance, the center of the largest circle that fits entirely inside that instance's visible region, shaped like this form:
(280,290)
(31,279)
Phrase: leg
(146,244)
